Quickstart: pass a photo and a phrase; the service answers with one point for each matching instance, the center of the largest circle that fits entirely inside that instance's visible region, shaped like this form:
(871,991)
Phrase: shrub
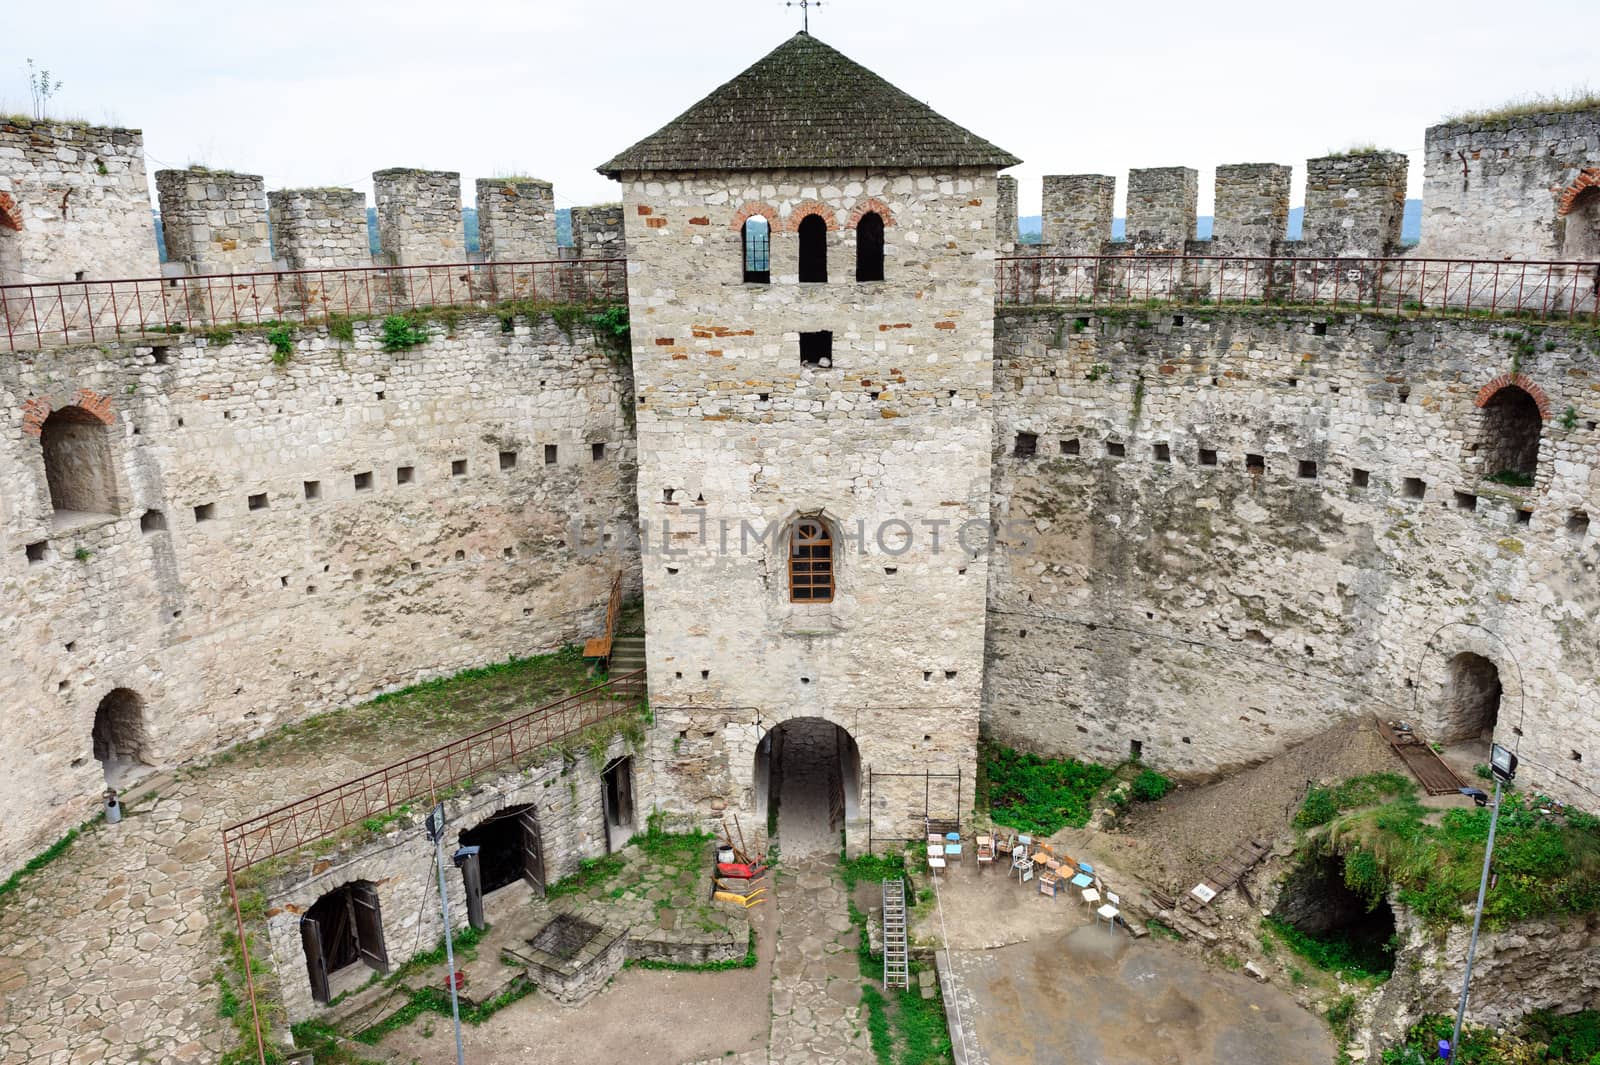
(1149,786)
(1038,795)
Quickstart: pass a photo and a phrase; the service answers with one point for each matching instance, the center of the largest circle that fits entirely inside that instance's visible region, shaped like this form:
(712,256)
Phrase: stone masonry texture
(319,229)
(1162,206)
(1354,204)
(1252,207)
(290,539)
(215,221)
(1298,529)
(1078,209)
(419,216)
(891,436)
(516,219)
(80,201)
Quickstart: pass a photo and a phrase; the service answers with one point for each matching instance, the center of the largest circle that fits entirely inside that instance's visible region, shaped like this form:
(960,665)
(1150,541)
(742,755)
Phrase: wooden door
(532,850)
(316,961)
(368,921)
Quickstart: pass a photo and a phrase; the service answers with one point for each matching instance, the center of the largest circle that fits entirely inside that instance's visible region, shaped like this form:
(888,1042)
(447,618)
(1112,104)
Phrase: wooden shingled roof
(805,105)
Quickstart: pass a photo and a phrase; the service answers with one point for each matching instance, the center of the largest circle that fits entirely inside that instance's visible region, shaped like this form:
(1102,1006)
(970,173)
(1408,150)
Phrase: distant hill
(1410,225)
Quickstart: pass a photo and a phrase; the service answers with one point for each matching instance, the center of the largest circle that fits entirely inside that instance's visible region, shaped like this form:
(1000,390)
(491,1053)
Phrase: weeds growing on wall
(282,340)
(401,333)
(1546,864)
(1037,795)
(1150,786)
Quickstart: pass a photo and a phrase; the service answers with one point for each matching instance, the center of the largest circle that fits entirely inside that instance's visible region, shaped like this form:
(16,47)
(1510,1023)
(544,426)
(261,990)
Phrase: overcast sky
(323,92)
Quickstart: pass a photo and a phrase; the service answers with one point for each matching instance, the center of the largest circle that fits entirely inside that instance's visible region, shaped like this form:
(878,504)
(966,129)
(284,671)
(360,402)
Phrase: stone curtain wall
(1216,613)
(897,429)
(1492,189)
(270,605)
(1006,214)
(419,216)
(567,797)
(81,203)
(320,229)
(215,221)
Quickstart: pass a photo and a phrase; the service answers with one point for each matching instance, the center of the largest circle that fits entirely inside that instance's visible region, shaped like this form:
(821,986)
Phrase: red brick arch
(1515,380)
(10,213)
(1588,178)
(750,209)
(799,211)
(871,204)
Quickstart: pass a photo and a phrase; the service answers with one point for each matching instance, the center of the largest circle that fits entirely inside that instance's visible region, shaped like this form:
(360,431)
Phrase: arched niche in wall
(76,447)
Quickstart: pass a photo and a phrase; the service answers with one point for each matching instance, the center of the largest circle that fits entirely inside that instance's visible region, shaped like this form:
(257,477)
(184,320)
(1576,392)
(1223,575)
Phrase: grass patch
(1324,804)
(1545,864)
(1329,955)
(1036,795)
(1159,929)
(1150,786)
(38,862)
(1512,478)
(1533,104)
(592,872)
(1541,1036)
(872,867)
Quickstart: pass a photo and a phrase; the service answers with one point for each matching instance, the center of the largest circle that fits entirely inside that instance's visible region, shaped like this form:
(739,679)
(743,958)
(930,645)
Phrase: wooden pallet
(1224,874)
(1431,772)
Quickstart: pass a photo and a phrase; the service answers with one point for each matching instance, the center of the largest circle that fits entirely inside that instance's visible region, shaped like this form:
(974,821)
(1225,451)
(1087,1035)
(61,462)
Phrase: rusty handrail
(1540,290)
(34,316)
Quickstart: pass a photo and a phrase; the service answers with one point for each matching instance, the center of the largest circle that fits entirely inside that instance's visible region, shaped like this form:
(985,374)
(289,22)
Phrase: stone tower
(811,290)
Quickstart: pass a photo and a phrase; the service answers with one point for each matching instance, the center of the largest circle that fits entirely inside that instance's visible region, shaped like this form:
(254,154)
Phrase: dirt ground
(1177,837)
(644,1017)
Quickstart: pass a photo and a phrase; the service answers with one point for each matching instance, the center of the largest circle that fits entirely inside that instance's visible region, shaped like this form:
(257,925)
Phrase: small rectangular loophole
(1070,447)
(363,481)
(1116,449)
(1466,501)
(508,460)
(152,521)
(1413,488)
(1161,452)
(258,501)
(458,467)
(313,489)
(1308,470)
(550,454)
(1255,463)
(1026,446)
(404,474)
(1360,478)
(205,512)
(1208,456)
(38,552)
(597,452)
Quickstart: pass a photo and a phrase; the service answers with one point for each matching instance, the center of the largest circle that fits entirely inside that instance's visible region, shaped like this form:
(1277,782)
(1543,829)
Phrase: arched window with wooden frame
(810,561)
(813,231)
(869,247)
(755,237)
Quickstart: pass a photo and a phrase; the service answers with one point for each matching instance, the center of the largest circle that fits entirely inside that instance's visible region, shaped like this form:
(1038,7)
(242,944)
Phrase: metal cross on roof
(805,7)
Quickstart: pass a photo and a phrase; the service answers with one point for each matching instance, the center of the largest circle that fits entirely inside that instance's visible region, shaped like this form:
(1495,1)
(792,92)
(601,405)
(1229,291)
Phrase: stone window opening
(1472,700)
(121,739)
(1070,447)
(1027,445)
(152,521)
(1578,524)
(77,466)
(313,489)
(816,349)
(755,241)
(341,932)
(869,247)
(1508,437)
(810,561)
(1161,452)
(1581,237)
(1116,449)
(1360,478)
(813,232)
(1414,488)
(1208,456)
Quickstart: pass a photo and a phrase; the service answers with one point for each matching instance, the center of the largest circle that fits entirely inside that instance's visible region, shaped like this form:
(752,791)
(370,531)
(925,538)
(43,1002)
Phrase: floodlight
(1503,763)
(435,823)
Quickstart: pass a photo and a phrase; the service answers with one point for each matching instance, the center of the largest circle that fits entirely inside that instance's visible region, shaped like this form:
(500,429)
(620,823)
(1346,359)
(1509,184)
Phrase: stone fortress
(1219,530)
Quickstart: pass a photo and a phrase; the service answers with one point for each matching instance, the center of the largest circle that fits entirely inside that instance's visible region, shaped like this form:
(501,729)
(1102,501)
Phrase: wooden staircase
(896,952)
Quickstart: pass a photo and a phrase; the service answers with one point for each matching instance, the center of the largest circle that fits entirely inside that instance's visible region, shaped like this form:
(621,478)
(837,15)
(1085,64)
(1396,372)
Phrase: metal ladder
(896,955)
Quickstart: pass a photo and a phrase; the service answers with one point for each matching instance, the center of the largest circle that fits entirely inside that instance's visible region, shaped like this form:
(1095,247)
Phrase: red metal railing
(381,791)
(70,312)
(1545,291)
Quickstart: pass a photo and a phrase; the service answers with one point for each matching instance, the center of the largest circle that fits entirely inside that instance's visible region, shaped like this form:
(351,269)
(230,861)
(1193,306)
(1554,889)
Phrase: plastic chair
(1090,897)
(1110,913)
(985,851)
(1021,864)
(1047,885)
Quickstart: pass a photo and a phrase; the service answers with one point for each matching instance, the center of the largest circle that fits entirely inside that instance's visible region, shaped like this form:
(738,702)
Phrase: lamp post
(1503,764)
(435,827)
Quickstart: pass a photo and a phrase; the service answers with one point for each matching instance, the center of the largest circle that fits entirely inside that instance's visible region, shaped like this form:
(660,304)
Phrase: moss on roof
(805,105)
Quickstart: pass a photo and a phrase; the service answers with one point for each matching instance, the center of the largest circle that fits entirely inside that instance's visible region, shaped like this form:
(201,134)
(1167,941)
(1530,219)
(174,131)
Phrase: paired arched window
(869,247)
(756,237)
(810,561)
(813,249)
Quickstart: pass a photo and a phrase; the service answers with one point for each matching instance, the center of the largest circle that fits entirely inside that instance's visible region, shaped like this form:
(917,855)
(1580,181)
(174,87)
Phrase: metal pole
(1477,919)
(437,832)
